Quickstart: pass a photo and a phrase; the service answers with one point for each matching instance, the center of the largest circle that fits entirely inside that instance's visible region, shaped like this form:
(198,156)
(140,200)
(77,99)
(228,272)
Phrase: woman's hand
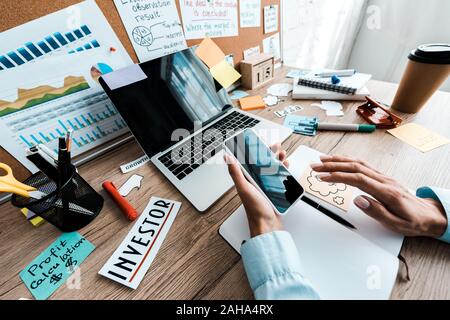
(260,214)
(392,204)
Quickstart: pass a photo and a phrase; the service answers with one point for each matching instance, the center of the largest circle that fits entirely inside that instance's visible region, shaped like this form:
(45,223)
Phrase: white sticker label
(133,165)
(131,260)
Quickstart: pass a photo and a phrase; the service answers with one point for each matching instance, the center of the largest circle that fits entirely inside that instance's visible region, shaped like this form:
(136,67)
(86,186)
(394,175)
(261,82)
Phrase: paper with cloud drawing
(336,194)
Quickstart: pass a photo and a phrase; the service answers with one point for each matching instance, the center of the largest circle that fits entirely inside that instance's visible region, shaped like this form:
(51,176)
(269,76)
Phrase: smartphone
(262,168)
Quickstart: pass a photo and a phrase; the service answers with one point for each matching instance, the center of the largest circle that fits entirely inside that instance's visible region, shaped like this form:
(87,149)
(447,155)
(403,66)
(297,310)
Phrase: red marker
(127,209)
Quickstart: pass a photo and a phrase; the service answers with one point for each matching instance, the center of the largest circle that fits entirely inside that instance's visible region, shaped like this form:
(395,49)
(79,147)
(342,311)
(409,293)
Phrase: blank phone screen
(261,164)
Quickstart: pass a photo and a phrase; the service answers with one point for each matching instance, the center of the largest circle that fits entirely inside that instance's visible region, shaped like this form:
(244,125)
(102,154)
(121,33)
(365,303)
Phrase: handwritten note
(54,265)
(419,137)
(271,19)
(153,27)
(251,52)
(271,45)
(250,12)
(207,18)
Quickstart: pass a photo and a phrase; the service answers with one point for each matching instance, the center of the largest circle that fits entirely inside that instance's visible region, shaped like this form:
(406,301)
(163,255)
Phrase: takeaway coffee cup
(428,68)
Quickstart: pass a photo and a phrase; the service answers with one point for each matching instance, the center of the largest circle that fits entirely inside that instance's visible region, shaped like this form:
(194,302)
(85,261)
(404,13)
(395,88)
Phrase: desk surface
(194,262)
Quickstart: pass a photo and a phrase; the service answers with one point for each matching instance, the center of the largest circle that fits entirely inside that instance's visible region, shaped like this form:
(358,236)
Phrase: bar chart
(92,118)
(73,41)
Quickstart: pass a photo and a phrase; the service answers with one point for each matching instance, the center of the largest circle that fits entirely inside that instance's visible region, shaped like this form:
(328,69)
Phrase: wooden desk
(194,261)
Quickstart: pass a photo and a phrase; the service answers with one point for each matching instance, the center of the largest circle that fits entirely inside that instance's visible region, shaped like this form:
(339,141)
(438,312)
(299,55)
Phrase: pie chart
(100,69)
(142,36)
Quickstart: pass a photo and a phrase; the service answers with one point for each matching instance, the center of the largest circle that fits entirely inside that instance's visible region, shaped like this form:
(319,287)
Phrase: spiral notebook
(348,85)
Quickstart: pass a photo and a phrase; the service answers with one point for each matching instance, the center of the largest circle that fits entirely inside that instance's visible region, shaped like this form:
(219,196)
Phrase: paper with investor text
(54,265)
(153,27)
(211,19)
(131,260)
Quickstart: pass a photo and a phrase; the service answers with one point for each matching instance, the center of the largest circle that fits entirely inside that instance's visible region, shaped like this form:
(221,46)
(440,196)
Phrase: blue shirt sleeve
(273,268)
(443,196)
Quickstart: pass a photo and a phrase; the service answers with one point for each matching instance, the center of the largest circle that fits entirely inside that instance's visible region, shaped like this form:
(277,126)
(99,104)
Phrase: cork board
(17,12)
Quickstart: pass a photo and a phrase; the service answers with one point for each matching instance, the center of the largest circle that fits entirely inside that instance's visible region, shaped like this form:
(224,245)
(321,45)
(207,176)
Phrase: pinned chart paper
(225,74)
(250,12)
(336,194)
(271,45)
(210,53)
(271,19)
(131,260)
(419,137)
(252,103)
(54,265)
(211,19)
(153,27)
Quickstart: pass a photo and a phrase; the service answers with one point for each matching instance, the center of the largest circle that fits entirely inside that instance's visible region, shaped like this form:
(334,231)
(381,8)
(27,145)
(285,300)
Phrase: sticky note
(36,221)
(131,260)
(210,53)
(252,103)
(225,74)
(54,265)
(419,137)
(238,94)
(338,195)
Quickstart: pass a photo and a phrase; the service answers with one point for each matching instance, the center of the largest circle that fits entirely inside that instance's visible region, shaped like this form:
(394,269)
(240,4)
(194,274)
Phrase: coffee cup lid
(432,54)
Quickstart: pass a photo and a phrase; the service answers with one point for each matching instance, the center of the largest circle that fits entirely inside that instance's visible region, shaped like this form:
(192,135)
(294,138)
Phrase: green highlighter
(309,126)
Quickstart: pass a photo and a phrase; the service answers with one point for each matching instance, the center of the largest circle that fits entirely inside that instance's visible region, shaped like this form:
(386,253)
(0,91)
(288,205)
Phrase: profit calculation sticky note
(54,265)
(419,137)
(252,103)
(225,74)
(210,53)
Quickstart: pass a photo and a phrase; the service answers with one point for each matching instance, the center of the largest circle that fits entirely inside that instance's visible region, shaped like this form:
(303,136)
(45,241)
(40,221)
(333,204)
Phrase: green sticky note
(54,265)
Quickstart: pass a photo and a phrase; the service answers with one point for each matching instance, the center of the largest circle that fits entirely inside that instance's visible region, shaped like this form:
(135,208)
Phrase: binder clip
(375,113)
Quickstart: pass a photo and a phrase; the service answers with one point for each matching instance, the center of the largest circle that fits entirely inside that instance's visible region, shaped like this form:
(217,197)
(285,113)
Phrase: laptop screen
(158,97)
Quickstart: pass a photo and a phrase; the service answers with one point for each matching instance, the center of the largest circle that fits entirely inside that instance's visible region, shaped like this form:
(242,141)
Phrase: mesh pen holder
(69,208)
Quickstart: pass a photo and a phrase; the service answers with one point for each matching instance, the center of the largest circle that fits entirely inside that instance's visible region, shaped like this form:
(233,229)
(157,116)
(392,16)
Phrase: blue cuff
(269,256)
(443,196)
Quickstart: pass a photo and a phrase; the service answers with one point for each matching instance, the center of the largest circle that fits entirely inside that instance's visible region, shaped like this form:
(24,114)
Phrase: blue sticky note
(54,265)
(238,94)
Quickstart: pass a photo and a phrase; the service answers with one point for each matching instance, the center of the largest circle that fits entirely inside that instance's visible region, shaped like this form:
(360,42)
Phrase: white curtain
(320,33)
(403,25)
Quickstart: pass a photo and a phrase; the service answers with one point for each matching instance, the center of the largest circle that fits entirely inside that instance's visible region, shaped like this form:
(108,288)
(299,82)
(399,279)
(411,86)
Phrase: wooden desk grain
(194,261)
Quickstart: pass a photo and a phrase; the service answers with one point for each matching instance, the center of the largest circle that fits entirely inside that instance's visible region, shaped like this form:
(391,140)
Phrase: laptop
(180,117)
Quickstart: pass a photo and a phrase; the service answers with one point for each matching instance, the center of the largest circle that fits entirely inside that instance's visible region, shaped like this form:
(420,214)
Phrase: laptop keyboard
(199,150)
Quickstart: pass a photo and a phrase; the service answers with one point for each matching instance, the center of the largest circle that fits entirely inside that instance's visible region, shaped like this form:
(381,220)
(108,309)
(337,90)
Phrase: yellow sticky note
(209,53)
(252,103)
(225,74)
(36,221)
(337,194)
(419,137)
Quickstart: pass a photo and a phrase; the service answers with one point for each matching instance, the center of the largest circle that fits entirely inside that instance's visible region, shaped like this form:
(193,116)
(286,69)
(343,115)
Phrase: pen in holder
(69,205)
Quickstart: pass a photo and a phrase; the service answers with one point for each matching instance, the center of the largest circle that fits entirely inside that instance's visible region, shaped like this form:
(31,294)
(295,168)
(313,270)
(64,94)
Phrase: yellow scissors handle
(9,184)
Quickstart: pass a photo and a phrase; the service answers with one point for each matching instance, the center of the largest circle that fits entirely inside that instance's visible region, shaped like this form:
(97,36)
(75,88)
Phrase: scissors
(8,183)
